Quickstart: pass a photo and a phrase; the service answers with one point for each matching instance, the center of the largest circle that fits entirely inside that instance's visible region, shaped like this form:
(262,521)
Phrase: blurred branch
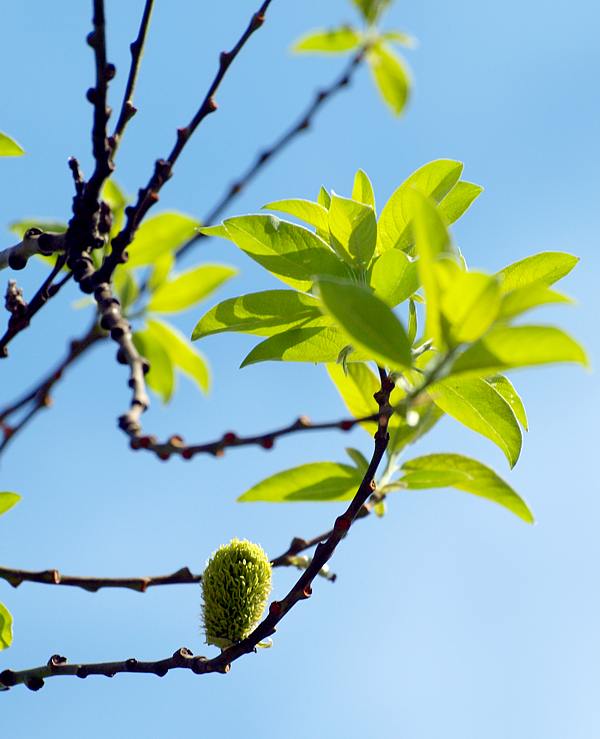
(303,123)
(301,590)
(39,397)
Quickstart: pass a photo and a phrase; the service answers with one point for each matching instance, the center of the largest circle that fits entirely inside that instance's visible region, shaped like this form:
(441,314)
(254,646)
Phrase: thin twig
(128,109)
(45,292)
(163,168)
(39,397)
(287,137)
(301,590)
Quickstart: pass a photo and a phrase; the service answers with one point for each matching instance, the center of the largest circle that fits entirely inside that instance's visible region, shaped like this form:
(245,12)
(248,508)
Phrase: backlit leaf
(161,377)
(329,41)
(7,501)
(161,234)
(189,288)
(353,229)
(182,355)
(9,147)
(391,76)
(6,623)
(315,482)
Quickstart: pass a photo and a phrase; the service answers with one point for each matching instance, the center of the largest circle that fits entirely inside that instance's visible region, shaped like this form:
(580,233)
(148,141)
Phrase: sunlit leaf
(9,147)
(362,189)
(305,210)
(518,301)
(546,268)
(507,390)
(329,41)
(189,288)
(264,313)
(6,624)
(459,200)
(7,501)
(185,357)
(477,405)
(161,377)
(315,482)
(356,386)
(391,76)
(353,229)
(470,305)
(125,287)
(159,235)
(394,277)
(463,473)
(371,9)
(370,323)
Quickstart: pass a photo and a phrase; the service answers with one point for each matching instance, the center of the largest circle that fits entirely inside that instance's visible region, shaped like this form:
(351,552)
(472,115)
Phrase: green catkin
(235,587)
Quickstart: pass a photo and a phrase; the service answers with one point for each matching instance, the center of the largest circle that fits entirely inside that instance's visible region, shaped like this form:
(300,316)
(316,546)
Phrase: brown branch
(301,590)
(128,110)
(18,322)
(287,137)
(15,577)
(163,168)
(39,398)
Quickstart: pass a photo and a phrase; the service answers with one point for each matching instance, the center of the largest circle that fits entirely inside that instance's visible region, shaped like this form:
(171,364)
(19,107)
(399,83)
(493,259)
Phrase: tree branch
(39,397)
(128,110)
(301,590)
(287,137)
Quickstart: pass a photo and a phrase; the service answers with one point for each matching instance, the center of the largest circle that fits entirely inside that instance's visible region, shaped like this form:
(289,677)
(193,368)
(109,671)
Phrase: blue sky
(450,618)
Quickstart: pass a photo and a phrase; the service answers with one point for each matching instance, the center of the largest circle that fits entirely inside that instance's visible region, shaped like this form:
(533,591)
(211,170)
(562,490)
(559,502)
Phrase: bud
(235,587)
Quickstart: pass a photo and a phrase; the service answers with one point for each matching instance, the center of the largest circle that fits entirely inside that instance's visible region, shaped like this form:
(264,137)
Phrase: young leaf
(399,37)
(290,252)
(312,213)
(470,305)
(182,355)
(435,180)
(546,268)
(161,377)
(401,434)
(476,404)
(161,234)
(506,347)
(264,313)
(362,190)
(324,198)
(356,386)
(44,224)
(9,147)
(315,482)
(391,76)
(6,622)
(160,271)
(463,473)
(353,229)
(329,41)
(459,200)
(117,200)
(309,344)
(7,501)
(370,323)
(220,231)
(126,288)
(371,9)
(189,288)
(359,459)
(394,277)
(507,390)
(522,299)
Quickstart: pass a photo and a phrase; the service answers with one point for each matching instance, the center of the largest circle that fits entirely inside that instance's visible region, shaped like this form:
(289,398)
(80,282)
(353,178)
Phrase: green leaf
(459,200)
(432,240)
(159,235)
(463,473)
(478,406)
(394,277)
(264,313)
(189,288)
(181,353)
(470,305)
(435,180)
(412,322)
(290,252)
(546,268)
(315,482)
(6,623)
(117,200)
(402,434)
(7,501)
(324,198)
(362,190)
(161,377)
(370,323)
(507,390)
(399,37)
(312,213)
(371,9)
(126,288)
(220,231)
(353,229)
(391,76)
(517,302)
(9,147)
(359,459)
(507,347)
(357,386)
(309,344)
(329,41)
(160,271)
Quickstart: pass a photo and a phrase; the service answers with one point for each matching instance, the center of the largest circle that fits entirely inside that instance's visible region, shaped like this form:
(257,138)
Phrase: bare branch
(128,110)
(303,123)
